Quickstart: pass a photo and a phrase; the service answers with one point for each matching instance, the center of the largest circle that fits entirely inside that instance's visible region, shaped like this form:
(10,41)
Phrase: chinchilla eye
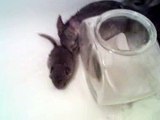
(67,70)
(51,69)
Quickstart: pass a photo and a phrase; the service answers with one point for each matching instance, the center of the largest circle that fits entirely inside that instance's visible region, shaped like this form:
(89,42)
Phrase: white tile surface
(26,92)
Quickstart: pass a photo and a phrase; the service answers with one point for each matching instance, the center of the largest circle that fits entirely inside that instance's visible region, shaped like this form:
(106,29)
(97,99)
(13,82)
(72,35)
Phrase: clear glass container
(121,56)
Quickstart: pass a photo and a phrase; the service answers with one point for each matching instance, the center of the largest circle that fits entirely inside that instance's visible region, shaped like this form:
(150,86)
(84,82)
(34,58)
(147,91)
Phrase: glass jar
(121,56)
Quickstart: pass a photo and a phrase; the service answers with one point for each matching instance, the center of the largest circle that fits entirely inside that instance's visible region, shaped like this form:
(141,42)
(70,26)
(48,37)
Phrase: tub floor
(26,92)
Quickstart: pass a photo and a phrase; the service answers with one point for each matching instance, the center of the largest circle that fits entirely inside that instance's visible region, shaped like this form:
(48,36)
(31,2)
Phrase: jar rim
(131,15)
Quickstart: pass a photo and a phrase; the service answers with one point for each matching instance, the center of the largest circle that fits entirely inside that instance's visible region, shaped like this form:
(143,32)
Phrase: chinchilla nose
(58,76)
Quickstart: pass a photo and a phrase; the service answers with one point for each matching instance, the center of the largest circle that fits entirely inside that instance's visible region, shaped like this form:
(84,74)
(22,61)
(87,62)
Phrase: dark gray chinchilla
(62,60)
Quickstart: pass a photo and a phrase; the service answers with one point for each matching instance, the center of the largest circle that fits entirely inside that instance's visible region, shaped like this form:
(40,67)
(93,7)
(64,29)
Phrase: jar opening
(125,32)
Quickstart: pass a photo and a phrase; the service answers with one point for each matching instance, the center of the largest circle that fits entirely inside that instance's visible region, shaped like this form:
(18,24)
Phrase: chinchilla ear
(60,25)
